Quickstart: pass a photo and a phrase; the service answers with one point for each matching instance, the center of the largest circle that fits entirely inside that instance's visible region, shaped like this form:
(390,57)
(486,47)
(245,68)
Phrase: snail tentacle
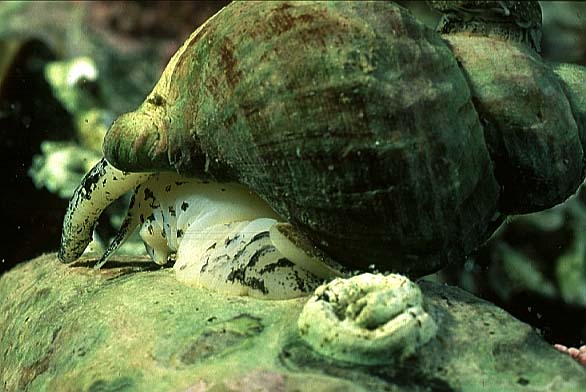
(130,223)
(101,186)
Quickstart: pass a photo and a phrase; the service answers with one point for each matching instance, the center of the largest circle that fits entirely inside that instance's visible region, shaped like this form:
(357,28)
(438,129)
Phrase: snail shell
(535,134)
(358,125)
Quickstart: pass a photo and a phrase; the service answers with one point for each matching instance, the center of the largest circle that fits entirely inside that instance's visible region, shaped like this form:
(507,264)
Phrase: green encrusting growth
(135,328)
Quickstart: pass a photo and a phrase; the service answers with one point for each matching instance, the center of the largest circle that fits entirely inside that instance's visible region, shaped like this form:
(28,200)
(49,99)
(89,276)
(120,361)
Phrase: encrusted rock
(132,326)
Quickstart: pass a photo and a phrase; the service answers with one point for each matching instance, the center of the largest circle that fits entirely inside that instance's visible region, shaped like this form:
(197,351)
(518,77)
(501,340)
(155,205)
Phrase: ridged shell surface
(351,119)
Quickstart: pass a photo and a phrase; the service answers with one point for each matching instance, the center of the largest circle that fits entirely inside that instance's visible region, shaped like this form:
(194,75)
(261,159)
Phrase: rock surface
(132,326)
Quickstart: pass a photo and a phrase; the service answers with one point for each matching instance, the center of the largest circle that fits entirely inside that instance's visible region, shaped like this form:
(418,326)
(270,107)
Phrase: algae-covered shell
(530,127)
(352,120)
(358,125)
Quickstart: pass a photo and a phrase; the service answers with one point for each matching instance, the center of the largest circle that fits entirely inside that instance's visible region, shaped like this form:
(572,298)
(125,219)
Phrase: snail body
(223,237)
(358,126)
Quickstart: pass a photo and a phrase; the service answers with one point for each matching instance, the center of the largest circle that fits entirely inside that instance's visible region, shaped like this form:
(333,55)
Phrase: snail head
(138,141)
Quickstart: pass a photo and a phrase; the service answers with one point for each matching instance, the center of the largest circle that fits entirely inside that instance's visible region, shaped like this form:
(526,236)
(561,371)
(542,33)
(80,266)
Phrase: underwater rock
(134,327)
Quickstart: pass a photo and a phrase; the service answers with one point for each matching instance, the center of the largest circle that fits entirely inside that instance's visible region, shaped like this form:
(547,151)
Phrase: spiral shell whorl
(516,21)
(529,125)
(573,78)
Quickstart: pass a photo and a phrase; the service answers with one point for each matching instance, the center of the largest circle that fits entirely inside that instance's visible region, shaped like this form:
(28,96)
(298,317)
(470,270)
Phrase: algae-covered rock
(133,327)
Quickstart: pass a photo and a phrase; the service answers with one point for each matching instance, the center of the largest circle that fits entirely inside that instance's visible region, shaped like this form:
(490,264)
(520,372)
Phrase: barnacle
(367,319)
